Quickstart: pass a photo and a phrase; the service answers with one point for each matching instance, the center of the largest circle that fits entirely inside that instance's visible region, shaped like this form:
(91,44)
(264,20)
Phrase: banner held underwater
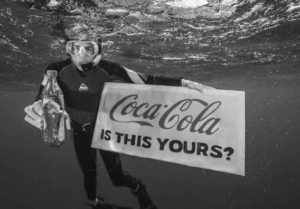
(174,124)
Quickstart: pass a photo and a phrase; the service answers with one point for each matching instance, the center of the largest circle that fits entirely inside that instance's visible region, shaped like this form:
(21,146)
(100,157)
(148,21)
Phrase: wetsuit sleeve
(115,70)
(130,76)
(161,80)
(57,66)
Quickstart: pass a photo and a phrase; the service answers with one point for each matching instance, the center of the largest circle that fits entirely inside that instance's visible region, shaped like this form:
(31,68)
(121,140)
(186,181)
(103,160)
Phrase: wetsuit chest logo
(83,87)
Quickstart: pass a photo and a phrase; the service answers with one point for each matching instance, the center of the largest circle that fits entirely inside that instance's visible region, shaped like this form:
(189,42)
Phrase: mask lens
(89,48)
(74,47)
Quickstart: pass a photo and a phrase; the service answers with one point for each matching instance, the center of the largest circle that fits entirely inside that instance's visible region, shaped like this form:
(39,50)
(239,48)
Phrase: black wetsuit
(82,92)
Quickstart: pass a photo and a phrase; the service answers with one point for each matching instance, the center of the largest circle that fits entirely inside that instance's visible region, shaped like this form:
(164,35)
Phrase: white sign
(174,124)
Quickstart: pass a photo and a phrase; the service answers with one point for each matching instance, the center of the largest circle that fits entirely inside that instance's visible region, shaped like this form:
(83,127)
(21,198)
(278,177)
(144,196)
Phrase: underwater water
(251,46)
(180,42)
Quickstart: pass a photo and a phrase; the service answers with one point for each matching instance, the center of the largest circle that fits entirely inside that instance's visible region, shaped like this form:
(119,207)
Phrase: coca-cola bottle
(53,129)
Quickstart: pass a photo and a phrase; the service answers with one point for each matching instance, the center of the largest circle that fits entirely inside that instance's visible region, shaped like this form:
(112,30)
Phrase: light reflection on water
(257,33)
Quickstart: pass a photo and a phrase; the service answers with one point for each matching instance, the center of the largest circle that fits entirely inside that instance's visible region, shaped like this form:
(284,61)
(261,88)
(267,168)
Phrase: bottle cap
(51,73)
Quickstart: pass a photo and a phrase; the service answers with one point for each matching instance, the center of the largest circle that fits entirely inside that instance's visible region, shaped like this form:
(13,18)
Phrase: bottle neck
(51,83)
(52,79)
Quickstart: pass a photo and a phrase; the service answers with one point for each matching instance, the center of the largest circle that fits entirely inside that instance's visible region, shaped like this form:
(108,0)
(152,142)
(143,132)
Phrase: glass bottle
(53,129)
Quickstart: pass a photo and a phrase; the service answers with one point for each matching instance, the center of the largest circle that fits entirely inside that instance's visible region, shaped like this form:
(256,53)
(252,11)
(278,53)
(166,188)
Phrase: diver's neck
(95,62)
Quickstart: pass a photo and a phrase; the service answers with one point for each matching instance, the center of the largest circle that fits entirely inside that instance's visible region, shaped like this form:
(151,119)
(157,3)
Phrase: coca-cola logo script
(168,116)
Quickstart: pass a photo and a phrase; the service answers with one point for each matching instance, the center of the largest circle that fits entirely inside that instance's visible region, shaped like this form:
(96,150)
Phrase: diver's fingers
(36,123)
(204,89)
(37,107)
(67,119)
(197,86)
(29,110)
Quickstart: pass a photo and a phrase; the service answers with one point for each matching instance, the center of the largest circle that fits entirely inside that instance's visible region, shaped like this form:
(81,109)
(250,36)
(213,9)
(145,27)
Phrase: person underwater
(82,77)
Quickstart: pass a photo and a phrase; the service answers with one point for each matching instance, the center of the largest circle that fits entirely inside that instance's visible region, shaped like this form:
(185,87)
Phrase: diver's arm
(173,81)
(131,76)
(161,80)
(167,81)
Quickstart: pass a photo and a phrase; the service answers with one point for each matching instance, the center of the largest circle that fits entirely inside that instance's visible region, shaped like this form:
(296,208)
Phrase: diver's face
(82,58)
(82,52)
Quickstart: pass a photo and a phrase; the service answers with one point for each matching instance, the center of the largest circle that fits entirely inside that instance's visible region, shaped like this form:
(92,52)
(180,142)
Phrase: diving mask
(89,48)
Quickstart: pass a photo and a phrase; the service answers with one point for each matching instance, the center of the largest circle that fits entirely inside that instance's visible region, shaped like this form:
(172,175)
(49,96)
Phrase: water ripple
(230,33)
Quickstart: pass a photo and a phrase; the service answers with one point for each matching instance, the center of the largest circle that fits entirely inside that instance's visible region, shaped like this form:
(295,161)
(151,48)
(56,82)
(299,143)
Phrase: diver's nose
(81,51)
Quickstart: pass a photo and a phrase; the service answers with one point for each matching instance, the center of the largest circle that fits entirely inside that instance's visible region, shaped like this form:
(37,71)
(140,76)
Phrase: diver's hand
(34,114)
(197,86)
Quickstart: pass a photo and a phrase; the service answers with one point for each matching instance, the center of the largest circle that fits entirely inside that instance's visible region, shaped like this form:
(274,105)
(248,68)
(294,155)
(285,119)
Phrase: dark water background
(252,46)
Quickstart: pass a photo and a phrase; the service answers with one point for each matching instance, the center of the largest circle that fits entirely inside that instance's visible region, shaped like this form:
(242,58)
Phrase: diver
(81,77)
